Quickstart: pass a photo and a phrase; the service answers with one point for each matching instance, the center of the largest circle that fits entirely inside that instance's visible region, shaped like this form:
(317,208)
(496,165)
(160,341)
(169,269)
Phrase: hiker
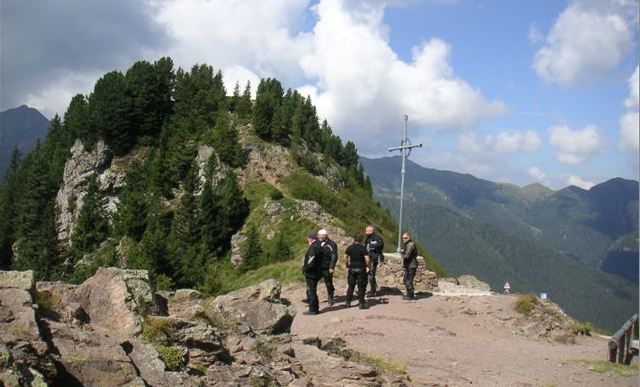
(409,255)
(358,264)
(312,270)
(329,260)
(374,245)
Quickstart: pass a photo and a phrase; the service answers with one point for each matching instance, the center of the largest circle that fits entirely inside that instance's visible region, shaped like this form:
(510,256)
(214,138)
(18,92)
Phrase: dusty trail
(456,338)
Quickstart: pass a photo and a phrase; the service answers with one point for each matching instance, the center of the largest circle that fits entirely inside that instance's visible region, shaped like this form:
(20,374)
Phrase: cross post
(405,150)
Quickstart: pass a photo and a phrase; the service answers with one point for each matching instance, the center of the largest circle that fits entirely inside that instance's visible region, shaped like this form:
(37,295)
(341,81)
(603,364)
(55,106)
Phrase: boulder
(23,346)
(114,299)
(258,307)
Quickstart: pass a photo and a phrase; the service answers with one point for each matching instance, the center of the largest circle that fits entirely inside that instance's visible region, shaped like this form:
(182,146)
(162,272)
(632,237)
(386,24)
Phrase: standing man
(329,260)
(374,245)
(358,263)
(312,270)
(409,255)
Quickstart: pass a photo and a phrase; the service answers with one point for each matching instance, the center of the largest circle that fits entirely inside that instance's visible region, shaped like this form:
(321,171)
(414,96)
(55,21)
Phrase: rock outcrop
(390,274)
(112,330)
(110,171)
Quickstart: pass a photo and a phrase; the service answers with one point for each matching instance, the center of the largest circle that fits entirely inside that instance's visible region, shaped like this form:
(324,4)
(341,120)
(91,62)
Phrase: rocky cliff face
(114,331)
(78,169)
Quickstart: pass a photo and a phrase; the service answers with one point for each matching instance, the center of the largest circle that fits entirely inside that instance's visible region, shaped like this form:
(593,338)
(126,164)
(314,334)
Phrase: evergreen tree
(110,112)
(131,216)
(77,121)
(235,208)
(268,100)
(210,222)
(235,99)
(8,211)
(91,226)
(243,109)
(224,140)
(279,249)
(251,250)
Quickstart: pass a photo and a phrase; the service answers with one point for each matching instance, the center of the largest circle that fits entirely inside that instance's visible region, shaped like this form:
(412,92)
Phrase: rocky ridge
(113,330)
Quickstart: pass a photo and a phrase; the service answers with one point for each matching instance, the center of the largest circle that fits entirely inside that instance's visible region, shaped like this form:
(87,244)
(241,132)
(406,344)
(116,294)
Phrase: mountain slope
(20,128)
(499,235)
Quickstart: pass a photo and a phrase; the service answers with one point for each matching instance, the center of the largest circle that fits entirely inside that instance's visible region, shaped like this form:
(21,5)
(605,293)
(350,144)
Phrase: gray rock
(390,274)
(258,306)
(17,280)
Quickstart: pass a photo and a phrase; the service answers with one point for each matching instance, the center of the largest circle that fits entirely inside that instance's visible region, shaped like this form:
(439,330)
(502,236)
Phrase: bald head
(369,230)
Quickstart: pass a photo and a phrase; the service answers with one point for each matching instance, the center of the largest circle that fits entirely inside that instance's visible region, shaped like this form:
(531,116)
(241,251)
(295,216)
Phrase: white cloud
(578,182)
(588,39)
(535,36)
(575,146)
(630,121)
(502,143)
(633,101)
(55,97)
(629,136)
(361,86)
(538,174)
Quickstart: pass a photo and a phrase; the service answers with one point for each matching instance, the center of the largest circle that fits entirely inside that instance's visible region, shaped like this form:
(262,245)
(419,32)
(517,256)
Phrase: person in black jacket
(374,245)
(409,255)
(312,270)
(357,261)
(329,260)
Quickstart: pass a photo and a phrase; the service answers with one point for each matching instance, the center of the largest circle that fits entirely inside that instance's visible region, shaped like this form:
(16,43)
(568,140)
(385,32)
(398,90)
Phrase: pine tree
(131,216)
(224,140)
(268,100)
(92,226)
(243,109)
(251,250)
(110,109)
(8,211)
(211,223)
(77,121)
(279,249)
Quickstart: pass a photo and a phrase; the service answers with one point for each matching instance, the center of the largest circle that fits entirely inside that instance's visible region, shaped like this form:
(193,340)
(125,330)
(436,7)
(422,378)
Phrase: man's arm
(367,259)
(334,256)
(346,261)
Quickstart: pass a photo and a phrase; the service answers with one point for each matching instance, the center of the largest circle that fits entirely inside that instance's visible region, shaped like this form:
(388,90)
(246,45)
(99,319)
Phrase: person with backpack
(329,260)
(374,245)
(358,264)
(312,270)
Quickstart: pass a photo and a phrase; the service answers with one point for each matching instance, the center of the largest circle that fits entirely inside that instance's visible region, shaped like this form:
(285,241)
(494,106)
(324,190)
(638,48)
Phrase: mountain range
(579,246)
(20,128)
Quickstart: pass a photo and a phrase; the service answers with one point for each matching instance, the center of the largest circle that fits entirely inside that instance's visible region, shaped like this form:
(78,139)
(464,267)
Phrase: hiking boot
(331,302)
(310,313)
(348,304)
(363,306)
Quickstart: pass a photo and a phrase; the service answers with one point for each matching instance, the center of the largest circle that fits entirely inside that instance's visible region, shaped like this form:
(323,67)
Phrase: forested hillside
(159,169)
(538,239)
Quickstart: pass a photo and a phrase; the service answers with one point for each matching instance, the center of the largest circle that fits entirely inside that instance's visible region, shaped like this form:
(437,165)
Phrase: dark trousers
(409,276)
(312,294)
(357,277)
(328,281)
(372,275)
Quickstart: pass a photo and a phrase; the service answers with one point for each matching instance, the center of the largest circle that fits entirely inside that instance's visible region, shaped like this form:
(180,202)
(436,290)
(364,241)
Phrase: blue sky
(512,91)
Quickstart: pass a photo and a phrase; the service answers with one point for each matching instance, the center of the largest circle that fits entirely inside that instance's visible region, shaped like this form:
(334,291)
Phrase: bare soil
(455,337)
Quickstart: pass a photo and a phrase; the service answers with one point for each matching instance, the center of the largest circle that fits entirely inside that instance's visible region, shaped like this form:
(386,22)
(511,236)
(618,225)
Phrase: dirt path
(454,338)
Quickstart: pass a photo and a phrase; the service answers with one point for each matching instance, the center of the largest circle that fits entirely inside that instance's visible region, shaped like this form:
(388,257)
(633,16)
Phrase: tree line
(169,113)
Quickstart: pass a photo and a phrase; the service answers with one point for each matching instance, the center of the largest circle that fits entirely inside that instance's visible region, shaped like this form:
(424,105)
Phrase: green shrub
(171,356)
(276,194)
(526,303)
(155,330)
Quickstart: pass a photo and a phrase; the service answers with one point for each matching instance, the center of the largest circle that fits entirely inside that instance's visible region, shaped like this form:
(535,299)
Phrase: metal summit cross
(405,150)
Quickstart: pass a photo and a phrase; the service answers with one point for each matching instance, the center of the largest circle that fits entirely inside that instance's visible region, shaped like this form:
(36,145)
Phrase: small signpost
(405,149)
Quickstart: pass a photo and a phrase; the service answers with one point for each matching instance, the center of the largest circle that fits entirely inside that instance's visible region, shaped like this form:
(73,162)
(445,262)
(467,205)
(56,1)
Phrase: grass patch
(47,306)
(76,357)
(155,330)
(381,364)
(606,367)
(172,357)
(583,329)
(19,331)
(526,303)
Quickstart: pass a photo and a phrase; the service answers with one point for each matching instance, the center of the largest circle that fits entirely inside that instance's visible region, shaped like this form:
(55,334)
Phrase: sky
(511,91)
